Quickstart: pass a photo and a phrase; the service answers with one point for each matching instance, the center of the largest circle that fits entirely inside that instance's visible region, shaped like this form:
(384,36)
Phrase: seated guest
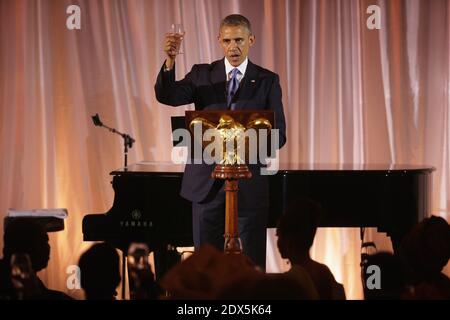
(27,237)
(205,274)
(392,285)
(425,251)
(296,231)
(100,272)
(212,274)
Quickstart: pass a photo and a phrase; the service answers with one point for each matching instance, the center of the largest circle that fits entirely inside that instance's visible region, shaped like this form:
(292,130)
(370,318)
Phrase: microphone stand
(127,144)
(127,139)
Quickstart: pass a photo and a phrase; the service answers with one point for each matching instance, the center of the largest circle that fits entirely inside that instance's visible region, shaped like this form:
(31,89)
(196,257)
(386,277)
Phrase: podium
(237,138)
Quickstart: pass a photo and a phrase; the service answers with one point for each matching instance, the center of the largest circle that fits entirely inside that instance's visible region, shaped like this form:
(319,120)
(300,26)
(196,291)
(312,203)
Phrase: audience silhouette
(392,284)
(211,274)
(204,274)
(100,272)
(141,278)
(296,231)
(28,237)
(425,251)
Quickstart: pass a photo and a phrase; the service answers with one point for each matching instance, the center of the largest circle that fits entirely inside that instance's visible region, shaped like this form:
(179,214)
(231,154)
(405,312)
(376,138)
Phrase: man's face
(235,42)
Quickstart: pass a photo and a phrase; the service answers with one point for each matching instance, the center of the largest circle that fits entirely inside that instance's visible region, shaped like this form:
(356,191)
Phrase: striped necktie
(233,86)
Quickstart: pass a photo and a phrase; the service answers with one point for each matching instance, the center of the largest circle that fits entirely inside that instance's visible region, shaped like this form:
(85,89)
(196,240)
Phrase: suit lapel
(246,89)
(248,86)
(219,81)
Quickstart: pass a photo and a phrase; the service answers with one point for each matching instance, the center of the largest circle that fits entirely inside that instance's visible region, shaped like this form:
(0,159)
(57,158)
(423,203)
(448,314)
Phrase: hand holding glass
(177,30)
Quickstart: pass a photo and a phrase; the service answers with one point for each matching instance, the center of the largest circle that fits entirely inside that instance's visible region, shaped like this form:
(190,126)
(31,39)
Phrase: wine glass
(178,30)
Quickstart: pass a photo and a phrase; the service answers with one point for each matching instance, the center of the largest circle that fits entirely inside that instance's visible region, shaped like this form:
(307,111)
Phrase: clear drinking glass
(178,30)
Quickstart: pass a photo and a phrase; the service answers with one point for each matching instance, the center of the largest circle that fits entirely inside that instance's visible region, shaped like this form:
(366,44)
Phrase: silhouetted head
(205,273)
(297,228)
(25,235)
(383,277)
(100,271)
(426,248)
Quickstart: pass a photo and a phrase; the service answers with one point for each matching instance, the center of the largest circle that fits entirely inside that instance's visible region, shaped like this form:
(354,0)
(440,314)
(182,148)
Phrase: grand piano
(147,206)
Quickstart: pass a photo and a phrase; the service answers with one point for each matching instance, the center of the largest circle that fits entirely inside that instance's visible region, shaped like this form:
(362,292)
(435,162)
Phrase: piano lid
(148,167)
(170,168)
(353,167)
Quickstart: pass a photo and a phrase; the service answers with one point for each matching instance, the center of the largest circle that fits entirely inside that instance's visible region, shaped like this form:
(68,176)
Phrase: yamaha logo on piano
(135,221)
(136,214)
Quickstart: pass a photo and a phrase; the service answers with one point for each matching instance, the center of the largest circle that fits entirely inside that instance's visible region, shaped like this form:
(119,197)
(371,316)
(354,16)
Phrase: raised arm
(167,90)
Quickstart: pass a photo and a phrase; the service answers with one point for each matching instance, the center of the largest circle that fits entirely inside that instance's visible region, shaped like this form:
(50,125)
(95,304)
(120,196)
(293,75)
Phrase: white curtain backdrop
(351,95)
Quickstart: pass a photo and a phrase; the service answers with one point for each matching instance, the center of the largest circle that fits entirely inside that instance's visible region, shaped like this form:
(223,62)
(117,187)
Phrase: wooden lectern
(237,147)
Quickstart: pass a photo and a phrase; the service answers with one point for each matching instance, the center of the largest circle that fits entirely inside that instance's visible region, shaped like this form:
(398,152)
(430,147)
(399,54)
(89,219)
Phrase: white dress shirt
(242,67)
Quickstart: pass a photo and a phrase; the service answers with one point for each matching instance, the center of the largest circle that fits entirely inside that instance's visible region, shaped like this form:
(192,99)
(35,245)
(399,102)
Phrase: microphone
(96,120)
(127,139)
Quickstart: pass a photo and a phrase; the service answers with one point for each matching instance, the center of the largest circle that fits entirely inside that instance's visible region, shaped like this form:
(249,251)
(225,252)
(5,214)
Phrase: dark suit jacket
(205,86)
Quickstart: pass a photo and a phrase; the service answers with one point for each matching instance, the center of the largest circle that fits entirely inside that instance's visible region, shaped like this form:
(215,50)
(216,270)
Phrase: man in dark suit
(233,83)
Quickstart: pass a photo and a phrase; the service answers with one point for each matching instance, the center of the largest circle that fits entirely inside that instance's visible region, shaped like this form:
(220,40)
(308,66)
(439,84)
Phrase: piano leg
(165,258)
(124,278)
